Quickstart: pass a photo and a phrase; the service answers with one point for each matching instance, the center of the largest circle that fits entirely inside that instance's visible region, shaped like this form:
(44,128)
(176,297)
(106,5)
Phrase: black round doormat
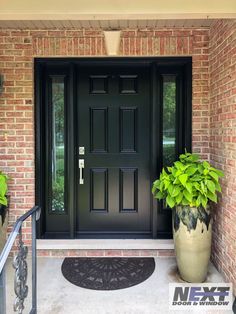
(107,273)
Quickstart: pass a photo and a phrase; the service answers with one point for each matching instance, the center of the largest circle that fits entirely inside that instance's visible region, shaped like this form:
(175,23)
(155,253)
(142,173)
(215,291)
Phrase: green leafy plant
(189,182)
(3,189)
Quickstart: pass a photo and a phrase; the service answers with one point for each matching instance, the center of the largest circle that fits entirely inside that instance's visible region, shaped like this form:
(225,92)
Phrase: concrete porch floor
(58,296)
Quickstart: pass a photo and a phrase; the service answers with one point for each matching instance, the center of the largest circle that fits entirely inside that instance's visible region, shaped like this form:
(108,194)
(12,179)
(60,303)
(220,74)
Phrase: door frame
(158,67)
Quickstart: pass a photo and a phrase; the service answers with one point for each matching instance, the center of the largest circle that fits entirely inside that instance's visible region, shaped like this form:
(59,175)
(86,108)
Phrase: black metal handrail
(20,264)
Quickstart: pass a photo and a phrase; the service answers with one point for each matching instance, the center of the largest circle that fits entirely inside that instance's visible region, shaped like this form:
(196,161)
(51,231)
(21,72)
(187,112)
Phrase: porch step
(108,248)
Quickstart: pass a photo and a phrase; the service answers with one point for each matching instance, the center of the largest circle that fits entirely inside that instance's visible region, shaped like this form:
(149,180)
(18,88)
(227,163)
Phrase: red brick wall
(222,70)
(17,52)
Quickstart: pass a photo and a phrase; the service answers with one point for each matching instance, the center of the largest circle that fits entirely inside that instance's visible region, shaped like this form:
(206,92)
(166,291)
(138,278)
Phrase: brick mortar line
(96,36)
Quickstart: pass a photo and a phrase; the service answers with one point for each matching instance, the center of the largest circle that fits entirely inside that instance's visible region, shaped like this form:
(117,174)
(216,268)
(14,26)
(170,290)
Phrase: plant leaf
(166,183)
(183,178)
(159,195)
(203,188)
(206,164)
(179,165)
(214,175)
(211,186)
(194,157)
(188,186)
(218,172)
(212,197)
(218,187)
(170,188)
(179,198)
(204,201)
(184,201)
(170,201)
(3,186)
(175,191)
(191,170)
(3,200)
(188,196)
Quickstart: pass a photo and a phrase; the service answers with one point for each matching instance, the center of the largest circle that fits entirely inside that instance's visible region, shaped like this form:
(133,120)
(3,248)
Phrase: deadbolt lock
(81,150)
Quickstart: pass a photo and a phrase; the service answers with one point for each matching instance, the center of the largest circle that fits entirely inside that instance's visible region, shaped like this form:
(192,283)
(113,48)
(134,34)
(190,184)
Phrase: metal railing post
(34,265)
(3,292)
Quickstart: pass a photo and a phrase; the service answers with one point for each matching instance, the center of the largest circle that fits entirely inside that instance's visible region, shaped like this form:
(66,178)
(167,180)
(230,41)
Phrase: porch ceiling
(104,24)
(113,14)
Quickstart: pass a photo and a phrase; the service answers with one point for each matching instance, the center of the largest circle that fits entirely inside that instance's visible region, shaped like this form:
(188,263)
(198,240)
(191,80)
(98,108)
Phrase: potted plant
(3,209)
(188,187)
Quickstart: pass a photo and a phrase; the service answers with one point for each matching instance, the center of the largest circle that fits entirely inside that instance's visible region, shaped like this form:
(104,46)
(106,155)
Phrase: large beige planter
(192,239)
(3,231)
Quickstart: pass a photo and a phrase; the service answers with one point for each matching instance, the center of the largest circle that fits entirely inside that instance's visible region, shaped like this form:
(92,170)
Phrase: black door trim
(158,65)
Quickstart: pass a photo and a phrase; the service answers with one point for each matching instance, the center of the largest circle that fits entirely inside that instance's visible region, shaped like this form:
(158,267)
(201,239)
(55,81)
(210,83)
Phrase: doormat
(110,273)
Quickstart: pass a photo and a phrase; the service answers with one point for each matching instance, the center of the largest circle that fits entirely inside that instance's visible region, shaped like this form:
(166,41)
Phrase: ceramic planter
(192,232)
(3,225)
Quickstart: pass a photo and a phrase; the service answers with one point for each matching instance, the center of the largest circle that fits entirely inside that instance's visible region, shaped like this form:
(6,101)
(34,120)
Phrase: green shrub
(3,188)
(189,182)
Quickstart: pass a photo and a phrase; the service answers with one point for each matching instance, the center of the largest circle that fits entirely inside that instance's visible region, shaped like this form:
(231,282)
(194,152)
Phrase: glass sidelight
(168,123)
(57,145)
(169,120)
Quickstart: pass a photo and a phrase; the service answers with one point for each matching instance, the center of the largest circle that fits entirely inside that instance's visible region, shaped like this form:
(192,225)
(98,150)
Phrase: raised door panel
(98,130)
(128,190)
(99,189)
(128,129)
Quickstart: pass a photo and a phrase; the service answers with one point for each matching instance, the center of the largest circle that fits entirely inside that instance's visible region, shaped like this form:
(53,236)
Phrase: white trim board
(104,244)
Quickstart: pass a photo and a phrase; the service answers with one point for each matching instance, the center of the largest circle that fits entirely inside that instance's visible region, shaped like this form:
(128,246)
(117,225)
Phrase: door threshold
(106,244)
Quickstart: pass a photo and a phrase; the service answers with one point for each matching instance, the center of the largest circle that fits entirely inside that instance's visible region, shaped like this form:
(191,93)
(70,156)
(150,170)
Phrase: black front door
(113,119)
(104,130)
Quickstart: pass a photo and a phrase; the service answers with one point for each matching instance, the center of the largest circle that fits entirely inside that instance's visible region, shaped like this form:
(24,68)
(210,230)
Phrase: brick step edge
(105,253)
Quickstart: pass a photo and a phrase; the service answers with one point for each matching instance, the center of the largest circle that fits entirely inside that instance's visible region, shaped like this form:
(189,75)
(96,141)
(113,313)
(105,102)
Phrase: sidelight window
(57,145)
(169,119)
